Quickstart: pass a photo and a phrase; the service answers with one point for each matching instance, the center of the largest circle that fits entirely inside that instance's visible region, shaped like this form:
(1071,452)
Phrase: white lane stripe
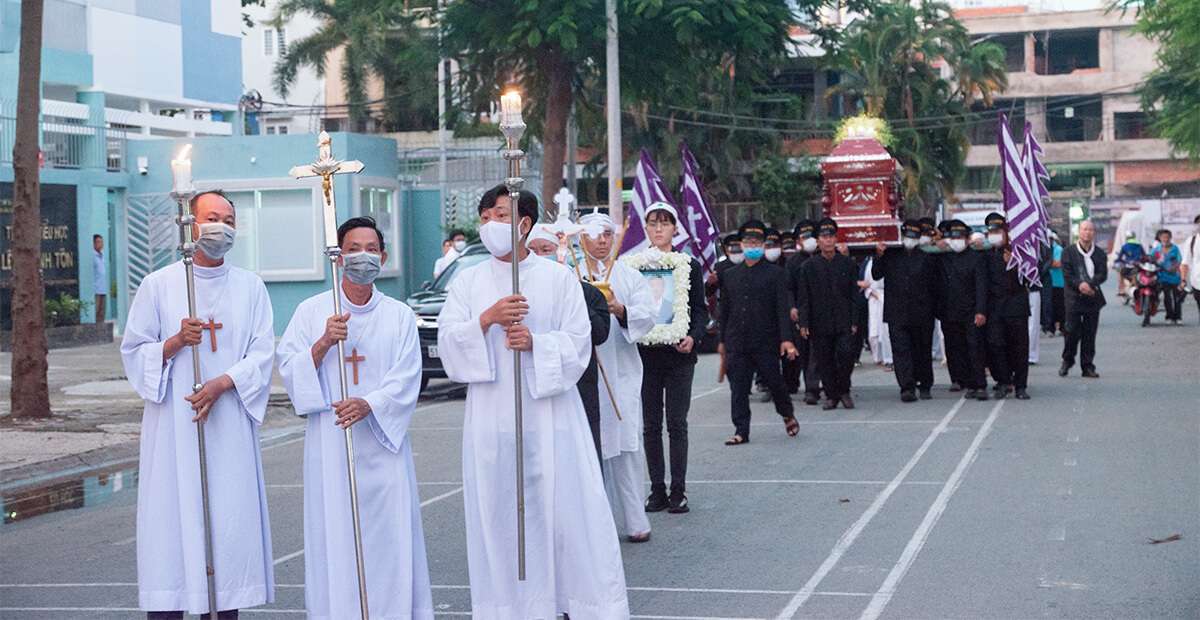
(833,482)
(297,485)
(919,537)
(466,587)
(850,535)
(296,554)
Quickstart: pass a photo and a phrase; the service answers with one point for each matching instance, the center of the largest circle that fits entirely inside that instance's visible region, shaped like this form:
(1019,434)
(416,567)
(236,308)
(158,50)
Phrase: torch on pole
(513,127)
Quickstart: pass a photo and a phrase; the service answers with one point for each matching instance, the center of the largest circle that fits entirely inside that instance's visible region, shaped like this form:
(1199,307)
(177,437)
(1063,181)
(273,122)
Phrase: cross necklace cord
(212,325)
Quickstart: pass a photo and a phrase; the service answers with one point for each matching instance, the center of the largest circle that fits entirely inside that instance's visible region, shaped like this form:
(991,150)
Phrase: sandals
(736,440)
(792,426)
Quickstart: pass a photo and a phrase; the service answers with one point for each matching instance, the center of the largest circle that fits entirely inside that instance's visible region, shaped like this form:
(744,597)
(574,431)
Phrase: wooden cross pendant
(212,328)
(354,359)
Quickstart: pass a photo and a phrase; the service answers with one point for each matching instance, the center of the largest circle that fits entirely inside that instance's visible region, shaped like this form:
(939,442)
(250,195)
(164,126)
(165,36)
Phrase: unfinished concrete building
(1074,75)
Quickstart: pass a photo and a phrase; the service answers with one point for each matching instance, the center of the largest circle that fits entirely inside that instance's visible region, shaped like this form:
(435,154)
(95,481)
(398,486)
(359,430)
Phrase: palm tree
(377,39)
(891,61)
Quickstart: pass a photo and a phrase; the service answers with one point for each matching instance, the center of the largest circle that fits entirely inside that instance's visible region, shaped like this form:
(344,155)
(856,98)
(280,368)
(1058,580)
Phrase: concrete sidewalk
(96,414)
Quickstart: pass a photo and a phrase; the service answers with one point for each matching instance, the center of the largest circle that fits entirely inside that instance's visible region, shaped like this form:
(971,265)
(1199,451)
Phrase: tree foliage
(890,62)
(1171,93)
(377,39)
(785,189)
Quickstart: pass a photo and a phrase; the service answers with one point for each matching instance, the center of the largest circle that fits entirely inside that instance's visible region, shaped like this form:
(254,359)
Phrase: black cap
(805,228)
(944,226)
(911,229)
(957,229)
(927,224)
(827,226)
(731,239)
(784,235)
(753,228)
(995,221)
(772,234)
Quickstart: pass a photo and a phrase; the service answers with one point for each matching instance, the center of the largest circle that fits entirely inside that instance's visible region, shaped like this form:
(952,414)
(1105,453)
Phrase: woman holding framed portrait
(668,354)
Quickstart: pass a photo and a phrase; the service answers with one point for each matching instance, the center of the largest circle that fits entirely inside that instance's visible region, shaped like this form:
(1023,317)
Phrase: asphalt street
(937,509)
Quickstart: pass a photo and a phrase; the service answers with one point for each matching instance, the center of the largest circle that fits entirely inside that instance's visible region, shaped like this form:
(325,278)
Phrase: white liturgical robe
(573,559)
(383,367)
(170,521)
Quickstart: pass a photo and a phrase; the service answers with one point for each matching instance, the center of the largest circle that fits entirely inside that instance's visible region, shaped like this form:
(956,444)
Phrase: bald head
(1087,232)
(213,207)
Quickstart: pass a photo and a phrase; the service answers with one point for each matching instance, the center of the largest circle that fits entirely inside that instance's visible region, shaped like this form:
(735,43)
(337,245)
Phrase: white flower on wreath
(653,259)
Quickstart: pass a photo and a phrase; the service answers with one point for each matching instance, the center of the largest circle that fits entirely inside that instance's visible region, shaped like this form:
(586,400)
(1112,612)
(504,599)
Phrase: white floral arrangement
(680,265)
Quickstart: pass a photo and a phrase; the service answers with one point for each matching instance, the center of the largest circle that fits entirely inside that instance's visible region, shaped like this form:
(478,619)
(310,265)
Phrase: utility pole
(613,110)
(572,146)
(441,77)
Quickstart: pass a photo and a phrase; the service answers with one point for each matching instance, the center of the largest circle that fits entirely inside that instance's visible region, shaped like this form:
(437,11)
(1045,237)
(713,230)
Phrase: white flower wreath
(681,267)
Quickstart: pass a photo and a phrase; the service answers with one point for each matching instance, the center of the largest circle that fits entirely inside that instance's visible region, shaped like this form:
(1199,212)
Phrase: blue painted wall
(212,63)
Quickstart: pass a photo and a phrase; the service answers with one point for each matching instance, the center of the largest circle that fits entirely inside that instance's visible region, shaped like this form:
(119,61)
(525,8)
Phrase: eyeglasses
(659,224)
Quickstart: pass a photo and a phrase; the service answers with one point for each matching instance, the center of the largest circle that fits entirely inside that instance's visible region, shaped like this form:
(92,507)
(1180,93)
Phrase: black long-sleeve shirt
(754,307)
(910,285)
(964,290)
(793,267)
(826,295)
(1007,296)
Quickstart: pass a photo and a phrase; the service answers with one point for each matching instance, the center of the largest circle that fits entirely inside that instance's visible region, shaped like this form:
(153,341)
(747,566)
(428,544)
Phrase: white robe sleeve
(142,345)
(640,310)
(393,402)
(561,356)
(462,345)
(252,374)
(300,377)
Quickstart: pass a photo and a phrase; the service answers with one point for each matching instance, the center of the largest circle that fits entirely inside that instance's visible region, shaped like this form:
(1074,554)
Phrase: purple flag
(1037,175)
(648,188)
(696,217)
(1020,209)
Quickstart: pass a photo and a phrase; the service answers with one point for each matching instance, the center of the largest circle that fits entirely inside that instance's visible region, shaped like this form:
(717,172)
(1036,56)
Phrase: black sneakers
(657,502)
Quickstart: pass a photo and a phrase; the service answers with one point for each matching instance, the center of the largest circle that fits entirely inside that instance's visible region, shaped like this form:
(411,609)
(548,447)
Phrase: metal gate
(151,237)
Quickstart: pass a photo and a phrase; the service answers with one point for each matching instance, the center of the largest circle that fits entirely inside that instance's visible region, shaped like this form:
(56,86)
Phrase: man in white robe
(236,343)
(573,557)
(632,309)
(877,331)
(383,372)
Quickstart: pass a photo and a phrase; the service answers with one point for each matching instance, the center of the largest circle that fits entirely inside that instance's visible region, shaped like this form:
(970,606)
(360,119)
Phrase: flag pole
(513,127)
(183,192)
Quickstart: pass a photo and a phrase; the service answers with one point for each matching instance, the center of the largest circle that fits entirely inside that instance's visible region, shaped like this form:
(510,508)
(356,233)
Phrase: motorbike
(1145,296)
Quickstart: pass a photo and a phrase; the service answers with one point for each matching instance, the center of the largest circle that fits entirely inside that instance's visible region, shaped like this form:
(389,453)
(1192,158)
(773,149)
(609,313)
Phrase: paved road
(937,509)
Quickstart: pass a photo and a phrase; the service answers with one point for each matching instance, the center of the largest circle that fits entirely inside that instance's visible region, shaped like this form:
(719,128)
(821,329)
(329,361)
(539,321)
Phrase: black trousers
(792,369)
(231,614)
(589,393)
(1058,300)
(666,392)
(1196,294)
(834,355)
(1173,302)
(1008,345)
(912,354)
(741,366)
(812,370)
(1081,337)
(966,354)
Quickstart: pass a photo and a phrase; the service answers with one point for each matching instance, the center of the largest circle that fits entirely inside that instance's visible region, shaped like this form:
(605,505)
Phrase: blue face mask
(753,253)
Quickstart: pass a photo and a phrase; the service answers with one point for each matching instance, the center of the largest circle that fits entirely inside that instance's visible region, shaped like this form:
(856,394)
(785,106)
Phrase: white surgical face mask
(958,245)
(216,239)
(926,240)
(497,238)
(910,243)
(995,239)
(361,267)
(459,246)
(810,245)
(772,254)
(737,259)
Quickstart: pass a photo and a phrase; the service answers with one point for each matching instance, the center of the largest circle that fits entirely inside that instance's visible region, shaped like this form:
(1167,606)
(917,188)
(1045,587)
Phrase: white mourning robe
(877,331)
(573,559)
(1035,325)
(170,525)
(384,331)
(440,264)
(621,439)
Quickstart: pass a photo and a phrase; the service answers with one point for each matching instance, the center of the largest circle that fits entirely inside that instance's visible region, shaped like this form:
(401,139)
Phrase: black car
(427,304)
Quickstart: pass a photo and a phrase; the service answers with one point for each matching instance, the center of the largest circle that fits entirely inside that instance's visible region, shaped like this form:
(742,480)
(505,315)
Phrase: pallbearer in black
(910,280)
(828,314)
(963,305)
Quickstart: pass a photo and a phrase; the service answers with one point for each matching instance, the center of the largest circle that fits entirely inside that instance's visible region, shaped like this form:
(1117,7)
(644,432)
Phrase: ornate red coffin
(861,192)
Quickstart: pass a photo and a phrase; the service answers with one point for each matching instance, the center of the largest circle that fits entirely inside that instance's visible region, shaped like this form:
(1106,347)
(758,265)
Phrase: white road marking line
(921,536)
(290,556)
(125,541)
(466,587)
(850,535)
(832,482)
(806,422)
(297,485)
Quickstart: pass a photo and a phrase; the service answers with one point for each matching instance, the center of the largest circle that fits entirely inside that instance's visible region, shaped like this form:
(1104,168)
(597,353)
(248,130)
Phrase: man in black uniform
(963,309)
(805,363)
(755,331)
(828,315)
(773,247)
(1008,315)
(787,241)
(910,290)
(791,368)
